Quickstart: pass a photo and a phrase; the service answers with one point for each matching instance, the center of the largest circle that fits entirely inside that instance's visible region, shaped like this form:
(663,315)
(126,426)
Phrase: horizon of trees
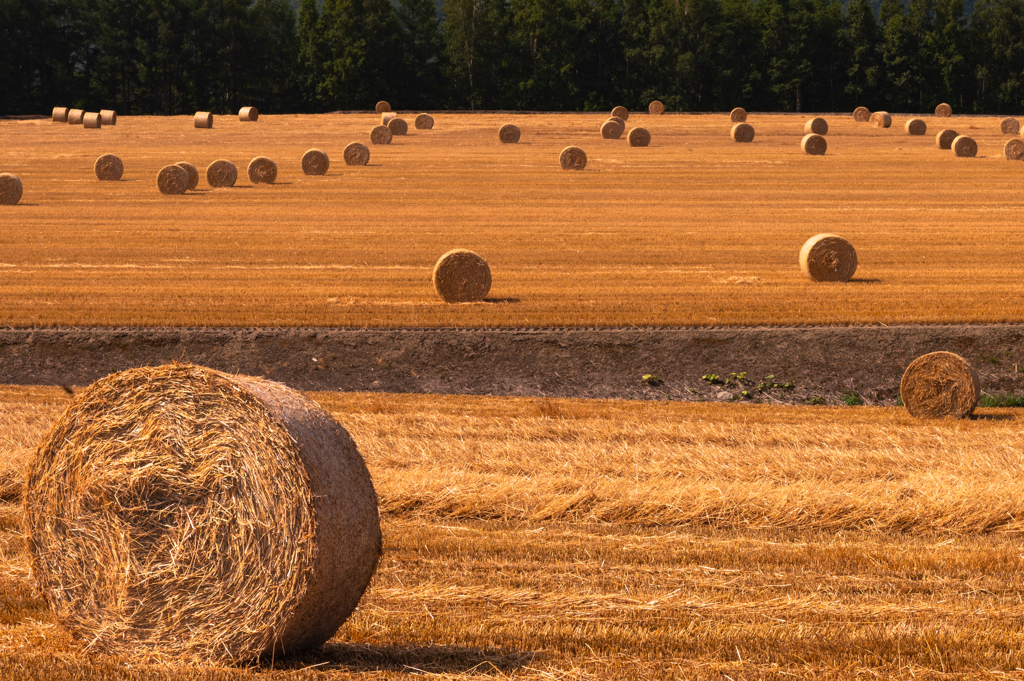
(180,56)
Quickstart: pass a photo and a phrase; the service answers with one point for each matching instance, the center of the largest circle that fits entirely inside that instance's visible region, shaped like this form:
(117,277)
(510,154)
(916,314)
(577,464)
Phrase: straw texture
(573,158)
(915,126)
(424,122)
(172,180)
(108,168)
(10,189)
(92,120)
(943,111)
(177,512)
(398,126)
(639,137)
(192,172)
(742,132)
(108,117)
(381,134)
(60,114)
(965,147)
(738,115)
(75,116)
(1009,126)
(656,108)
(509,134)
(315,162)
(940,385)
(382,107)
(203,119)
(248,114)
(880,119)
(827,257)
(621,112)
(1013,150)
(262,170)
(221,174)
(816,126)
(356,154)
(861,114)
(944,140)
(461,276)
(814,145)
(612,129)
(387,116)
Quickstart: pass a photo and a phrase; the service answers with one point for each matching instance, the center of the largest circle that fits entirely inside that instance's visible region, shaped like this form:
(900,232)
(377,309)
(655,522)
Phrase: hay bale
(738,115)
(612,129)
(398,126)
(180,512)
(424,122)
(1009,126)
(356,154)
(381,134)
(814,145)
(387,116)
(461,276)
(827,257)
(509,134)
(656,108)
(572,158)
(75,116)
(221,174)
(248,114)
(262,170)
(108,117)
(742,132)
(315,162)
(943,111)
(192,172)
(621,112)
(60,114)
(940,385)
(92,120)
(944,140)
(108,168)
(816,126)
(861,114)
(10,189)
(203,119)
(880,119)
(1013,150)
(382,107)
(172,180)
(915,126)
(965,147)
(639,137)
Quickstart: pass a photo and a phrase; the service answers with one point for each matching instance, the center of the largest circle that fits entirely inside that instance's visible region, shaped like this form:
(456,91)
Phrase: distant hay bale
(461,276)
(180,513)
(965,147)
(509,134)
(861,114)
(639,137)
(172,180)
(262,170)
(814,145)
(424,122)
(943,111)
(60,114)
(880,119)
(944,140)
(221,174)
(204,119)
(1013,150)
(387,116)
(827,257)
(92,120)
(915,126)
(381,134)
(621,112)
(1009,126)
(612,130)
(10,189)
(248,114)
(940,385)
(572,158)
(192,172)
(738,115)
(742,132)
(75,116)
(356,154)
(398,126)
(382,107)
(108,117)
(108,168)
(816,126)
(656,108)
(315,162)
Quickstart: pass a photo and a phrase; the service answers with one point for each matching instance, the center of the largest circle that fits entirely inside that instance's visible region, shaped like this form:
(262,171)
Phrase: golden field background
(693,230)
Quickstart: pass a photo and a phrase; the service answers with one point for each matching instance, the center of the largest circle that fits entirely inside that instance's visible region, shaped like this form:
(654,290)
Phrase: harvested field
(702,230)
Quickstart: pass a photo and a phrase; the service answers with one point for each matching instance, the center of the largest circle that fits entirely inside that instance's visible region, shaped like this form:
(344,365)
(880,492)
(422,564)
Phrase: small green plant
(712,379)
(899,400)
(768,383)
(817,401)
(652,380)
(738,378)
(852,399)
(990,358)
(1008,400)
(745,394)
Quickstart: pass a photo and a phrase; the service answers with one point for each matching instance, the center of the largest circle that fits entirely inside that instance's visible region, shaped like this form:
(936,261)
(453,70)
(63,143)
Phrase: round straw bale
(827,257)
(172,180)
(738,115)
(743,132)
(611,129)
(639,137)
(1013,150)
(10,189)
(965,147)
(509,134)
(940,385)
(381,134)
(356,154)
(75,116)
(915,126)
(816,126)
(248,114)
(108,117)
(92,120)
(461,276)
(177,512)
(814,145)
(204,119)
(109,168)
(387,116)
(60,114)
(621,112)
(221,174)
(861,114)
(656,108)
(382,107)
(1009,126)
(944,140)
(315,162)
(943,111)
(573,158)
(880,119)
(424,122)
(262,170)
(192,172)
(398,126)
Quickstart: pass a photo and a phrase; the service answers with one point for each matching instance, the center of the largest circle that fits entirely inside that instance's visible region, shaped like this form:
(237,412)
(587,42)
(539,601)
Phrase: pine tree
(421,40)
(865,71)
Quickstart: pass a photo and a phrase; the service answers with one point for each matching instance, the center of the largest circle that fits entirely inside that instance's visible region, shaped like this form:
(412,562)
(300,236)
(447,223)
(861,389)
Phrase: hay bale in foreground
(60,114)
(248,114)
(1013,150)
(172,180)
(814,145)
(108,117)
(573,158)
(262,170)
(621,112)
(398,126)
(965,147)
(1009,126)
(944,140)
(381,134)
(382,107)
(738,115)
(203,119)
(509,134)
(915,126)
(424,122)
(612,129)
(108,168)
(180,512)
(880,119)
(639,137)
(816,126)
(461,276)
(742,132)
(221,174)
(656,108)
(356,154)
(315,162)
(92,120)
(940,385)
(827,257)
(943,111)
(10,189)
(192,172)
(861,114)
(75,116)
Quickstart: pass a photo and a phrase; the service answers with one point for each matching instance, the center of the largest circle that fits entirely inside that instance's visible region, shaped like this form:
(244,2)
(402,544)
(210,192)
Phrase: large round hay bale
(816,126)
(639,137)
(381,134)
(940,385)
(108,168)
(221,174)
(60,114)
(814,145)
(192,172)
(965,147)
(880,119)
(827,257)
(1009,126)
(509,134)
(861,114)
(382,107)
(424,122)
(742,132)
(915,126)
(656,108)
(738,115)
(315,162)
(172,180)
(108,117)
(572,158)
(203,119)
(461,276)
(621,112)
(180,512)
(1013,150)
(944,140)
(75,116)
(387,116)
(248,114)
(92,120)
(612,129)
(10,189)
(943,111)
(262,170)
(356,154)
(398,126)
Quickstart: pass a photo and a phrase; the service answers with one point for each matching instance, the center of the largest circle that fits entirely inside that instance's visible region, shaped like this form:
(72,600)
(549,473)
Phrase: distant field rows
(694,230)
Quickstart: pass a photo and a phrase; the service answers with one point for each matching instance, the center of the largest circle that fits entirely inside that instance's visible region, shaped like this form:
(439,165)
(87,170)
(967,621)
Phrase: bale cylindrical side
(177,512)
(92,120)
(943,111)
(60,114)
(1009,126)
(656,108)
(638,137)
(10,189)
(382,107)
(880,119)
(381,134)
(611,130)
(861,114)
(387,116)
(461,276)
(572,158)
(621,112)
(940,385)
(398,126)
(965,147)
(509,134)
(315,162)
(424,122)
(827,257)
(814,145)
(1013,150)
(108,117)
(203,119)
(192,172)
(262,170)
(742,132)
(816,126)
(108,168)
(915,126)
(944,140)
(75,116)
(221,174)
(738,115)
(356,154)
(248,114)
(172,180)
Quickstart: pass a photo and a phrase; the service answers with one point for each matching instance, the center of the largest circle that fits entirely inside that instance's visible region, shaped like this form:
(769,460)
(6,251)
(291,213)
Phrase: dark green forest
(179,56)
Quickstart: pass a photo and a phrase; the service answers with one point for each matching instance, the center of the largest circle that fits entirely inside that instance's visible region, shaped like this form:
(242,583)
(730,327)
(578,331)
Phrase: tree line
(179,56)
